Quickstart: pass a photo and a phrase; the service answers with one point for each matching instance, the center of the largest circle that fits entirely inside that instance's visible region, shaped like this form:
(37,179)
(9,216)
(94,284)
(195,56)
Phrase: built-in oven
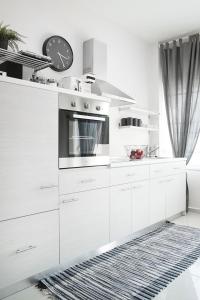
(83,132)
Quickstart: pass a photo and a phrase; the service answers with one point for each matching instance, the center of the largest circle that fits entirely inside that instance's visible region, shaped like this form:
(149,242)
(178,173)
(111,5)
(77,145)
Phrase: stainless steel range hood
(118,98)
(95,62)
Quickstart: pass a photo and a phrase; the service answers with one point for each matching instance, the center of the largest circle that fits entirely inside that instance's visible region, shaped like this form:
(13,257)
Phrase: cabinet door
(175,194)
(28,151)
(28,245)
(157,200)
(120,212)
(140,207)
(84,223)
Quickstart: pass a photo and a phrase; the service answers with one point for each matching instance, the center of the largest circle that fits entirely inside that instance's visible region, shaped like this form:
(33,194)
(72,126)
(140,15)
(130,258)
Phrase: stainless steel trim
(26,249)
(77,116)
(77,162)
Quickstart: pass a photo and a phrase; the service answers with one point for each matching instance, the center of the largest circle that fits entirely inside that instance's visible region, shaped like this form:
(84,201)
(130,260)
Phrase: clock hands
(60,55)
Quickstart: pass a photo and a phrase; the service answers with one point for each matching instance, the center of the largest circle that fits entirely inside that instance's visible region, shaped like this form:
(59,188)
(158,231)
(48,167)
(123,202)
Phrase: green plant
(11,36)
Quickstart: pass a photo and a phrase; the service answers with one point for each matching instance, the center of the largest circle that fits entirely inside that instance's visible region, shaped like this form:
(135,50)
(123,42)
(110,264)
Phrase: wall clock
(60,52)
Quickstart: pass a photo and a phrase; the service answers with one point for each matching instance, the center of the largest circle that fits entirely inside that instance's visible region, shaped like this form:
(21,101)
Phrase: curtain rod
(184,36)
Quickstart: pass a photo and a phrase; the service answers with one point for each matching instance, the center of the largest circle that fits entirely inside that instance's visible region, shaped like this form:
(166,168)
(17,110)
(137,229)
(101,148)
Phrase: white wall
(132,63)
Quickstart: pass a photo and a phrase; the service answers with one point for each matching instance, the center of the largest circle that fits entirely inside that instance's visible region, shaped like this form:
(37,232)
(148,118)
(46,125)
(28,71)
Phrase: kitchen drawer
(28,245)
(175,168)
(128,174)
(77,180)
(166,169)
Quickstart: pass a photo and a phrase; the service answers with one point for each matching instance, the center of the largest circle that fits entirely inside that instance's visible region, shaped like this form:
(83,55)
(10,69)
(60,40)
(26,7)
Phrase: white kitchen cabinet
(140,205)
(157,200)
(120,211)
(28,151)
(175,194)
(28,245)
(84,223)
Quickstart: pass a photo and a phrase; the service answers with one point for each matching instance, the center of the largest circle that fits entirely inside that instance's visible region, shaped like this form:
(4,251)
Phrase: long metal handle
(88,180)
(52,186)
(25,249)
(70,200)
(77,116)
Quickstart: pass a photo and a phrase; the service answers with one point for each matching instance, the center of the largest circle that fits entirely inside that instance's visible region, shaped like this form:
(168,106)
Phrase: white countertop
(125,162)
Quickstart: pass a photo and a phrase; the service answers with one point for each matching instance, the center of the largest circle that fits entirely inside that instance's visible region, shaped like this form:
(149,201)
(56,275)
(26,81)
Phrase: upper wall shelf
(139,110)
(155,129)
(56,89)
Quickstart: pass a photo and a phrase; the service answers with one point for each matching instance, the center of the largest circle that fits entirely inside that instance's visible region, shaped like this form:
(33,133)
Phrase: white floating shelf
(71,93)
(139,128)
(139,110)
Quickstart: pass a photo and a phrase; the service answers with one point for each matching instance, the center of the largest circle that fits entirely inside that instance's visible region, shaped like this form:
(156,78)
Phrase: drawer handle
(125,189)
(70,200)
(44,187)
(177,168)
(88,180)
(162,181)
(170,180)
(25,249)
(130,174)
(157,171)
(138,186)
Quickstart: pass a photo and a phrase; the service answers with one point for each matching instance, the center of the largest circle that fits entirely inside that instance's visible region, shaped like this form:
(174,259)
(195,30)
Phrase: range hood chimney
(95,62)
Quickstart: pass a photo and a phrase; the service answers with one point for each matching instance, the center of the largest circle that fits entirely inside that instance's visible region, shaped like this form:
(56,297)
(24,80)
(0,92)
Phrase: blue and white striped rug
(139,269)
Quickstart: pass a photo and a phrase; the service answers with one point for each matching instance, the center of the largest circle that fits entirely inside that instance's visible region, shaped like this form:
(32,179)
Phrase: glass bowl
(136,151)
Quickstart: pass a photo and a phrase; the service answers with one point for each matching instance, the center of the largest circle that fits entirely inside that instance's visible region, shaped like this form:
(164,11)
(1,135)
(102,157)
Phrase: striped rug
(139,269)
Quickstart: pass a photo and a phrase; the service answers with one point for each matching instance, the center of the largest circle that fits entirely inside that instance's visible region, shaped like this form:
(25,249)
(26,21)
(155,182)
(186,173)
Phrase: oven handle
(77,116)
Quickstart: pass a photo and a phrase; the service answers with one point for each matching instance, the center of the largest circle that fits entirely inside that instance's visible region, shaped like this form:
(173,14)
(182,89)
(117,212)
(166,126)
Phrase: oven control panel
(83,105)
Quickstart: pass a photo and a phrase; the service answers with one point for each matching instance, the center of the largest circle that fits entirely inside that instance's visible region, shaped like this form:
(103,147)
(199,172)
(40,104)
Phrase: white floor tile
(32,293)
(191,219)
(184,287)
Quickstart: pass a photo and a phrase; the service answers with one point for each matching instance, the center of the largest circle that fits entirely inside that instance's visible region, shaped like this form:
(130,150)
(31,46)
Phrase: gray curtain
(180,67)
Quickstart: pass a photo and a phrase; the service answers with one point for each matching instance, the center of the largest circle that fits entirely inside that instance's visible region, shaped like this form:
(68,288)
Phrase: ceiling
(152,20)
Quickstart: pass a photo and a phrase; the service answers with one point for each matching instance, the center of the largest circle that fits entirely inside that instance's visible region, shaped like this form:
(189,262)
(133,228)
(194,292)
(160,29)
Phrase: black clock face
(60,52)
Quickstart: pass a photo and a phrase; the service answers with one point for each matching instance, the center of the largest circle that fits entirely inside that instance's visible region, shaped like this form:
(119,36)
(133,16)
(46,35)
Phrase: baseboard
(195,210)
(19,286)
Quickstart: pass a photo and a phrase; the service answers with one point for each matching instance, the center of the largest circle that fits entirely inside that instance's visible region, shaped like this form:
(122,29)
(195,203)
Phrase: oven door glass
(82,135)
